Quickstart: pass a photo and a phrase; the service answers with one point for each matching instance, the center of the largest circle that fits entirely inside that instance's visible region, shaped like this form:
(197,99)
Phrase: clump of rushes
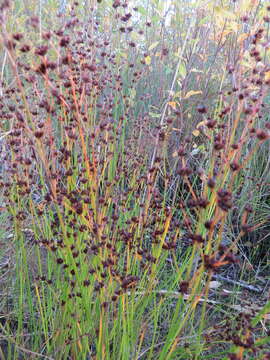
(89,176)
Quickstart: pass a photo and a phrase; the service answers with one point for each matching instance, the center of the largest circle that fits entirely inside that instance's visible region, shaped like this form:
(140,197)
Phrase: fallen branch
(238,283)
(175,294)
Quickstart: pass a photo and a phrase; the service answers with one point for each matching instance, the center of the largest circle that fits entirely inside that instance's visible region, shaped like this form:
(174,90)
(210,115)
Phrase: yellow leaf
(224,13)
(242,37)
(139,257)
(225,33)
(234,26)
(172,104)
(191,93)
(195,133)
(246,64)
(153,46)
(182,70)
(147,60)
(267,76)
(201,123)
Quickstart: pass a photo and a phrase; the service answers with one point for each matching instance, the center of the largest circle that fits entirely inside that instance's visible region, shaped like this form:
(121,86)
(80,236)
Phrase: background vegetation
(134,179)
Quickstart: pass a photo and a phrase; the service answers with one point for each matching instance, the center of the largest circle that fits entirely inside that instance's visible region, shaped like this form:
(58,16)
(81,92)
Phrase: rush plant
(118,225)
